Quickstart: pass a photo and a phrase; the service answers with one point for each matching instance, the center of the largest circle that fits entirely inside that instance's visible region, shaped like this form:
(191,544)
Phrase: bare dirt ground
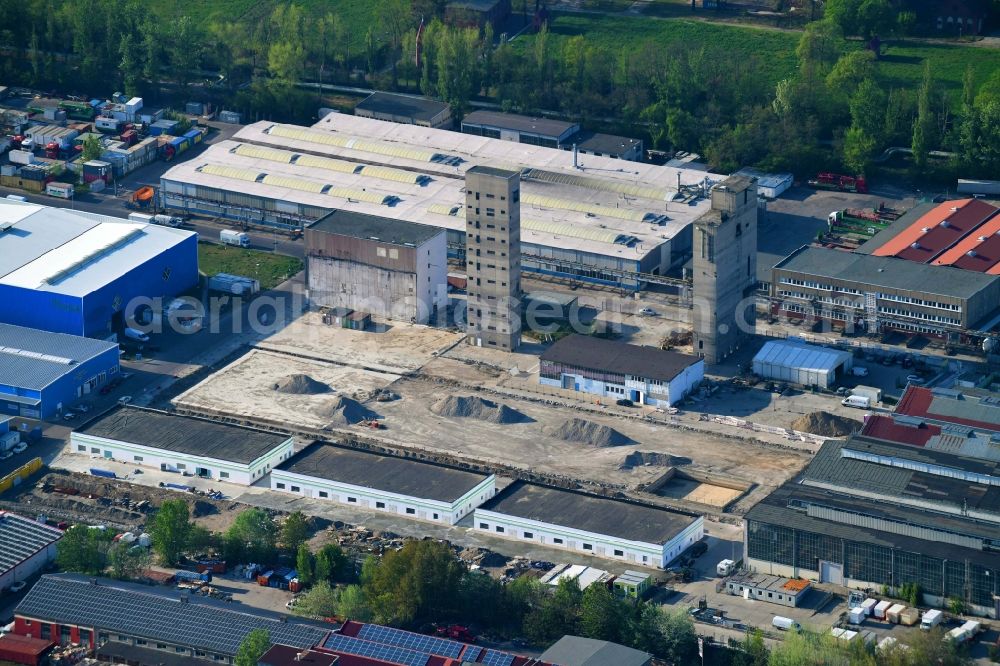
(395,348)
(246,388)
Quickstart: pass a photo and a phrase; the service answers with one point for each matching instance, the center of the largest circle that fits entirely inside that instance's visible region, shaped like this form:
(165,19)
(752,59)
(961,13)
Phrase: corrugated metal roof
(33,359)
(21,537)
(801,356)
(199,623)
(36,230)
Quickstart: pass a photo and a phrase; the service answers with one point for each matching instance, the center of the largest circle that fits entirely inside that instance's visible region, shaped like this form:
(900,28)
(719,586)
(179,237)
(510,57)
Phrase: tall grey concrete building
(493,256)
(725,269)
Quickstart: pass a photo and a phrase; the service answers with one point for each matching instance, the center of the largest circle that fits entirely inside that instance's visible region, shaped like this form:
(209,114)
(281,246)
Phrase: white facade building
(644,375)
(26,547)
(588,524)
(419,490)
(188,445)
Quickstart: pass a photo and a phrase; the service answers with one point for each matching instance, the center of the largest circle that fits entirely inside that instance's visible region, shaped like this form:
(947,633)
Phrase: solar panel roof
(21,537)
(198,623)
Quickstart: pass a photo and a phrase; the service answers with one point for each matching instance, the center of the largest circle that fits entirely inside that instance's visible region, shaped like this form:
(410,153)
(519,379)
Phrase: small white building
(800,363)
(186,444)
(769,185)
(410,488)
(644,375)
(26,547)
(591,525)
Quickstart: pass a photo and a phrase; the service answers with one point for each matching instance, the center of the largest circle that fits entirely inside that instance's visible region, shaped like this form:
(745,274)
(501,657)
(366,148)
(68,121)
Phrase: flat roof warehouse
(381,472)
(183,434)
(609,207)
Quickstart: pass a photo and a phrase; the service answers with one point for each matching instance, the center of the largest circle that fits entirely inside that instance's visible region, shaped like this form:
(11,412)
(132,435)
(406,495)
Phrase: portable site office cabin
(801,363)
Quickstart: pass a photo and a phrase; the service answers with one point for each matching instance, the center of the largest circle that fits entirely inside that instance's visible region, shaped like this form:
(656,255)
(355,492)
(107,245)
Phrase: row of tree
(839,109)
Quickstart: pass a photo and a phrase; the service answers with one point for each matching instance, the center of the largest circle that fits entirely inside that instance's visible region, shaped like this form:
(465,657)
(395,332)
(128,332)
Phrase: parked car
(69,416)
(20,447)
(18,586)
(914,379)
(647,312)
(624,402)
(83,409)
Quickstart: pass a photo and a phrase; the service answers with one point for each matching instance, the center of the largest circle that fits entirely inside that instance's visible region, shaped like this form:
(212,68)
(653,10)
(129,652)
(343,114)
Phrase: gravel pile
(343,411)
(299,384)
(643,458)
(588,432)
(477,408)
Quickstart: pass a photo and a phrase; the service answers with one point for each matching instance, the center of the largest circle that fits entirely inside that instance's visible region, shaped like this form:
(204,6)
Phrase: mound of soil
(343,411)
(826,424)
(477,408)
(588,432)
(643,458)
(299,384)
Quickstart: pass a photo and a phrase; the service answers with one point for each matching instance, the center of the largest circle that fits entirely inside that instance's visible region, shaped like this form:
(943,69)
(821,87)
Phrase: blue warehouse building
(80,273)
(42,373)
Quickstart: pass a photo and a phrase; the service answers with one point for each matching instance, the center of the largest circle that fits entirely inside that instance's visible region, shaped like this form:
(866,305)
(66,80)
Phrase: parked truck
(931,619)
(140,217)
(785,623)
(8,441)
(237,238)
(167,220)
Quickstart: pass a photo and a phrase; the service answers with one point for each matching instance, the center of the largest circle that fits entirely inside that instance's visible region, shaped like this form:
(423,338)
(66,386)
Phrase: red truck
(836,181)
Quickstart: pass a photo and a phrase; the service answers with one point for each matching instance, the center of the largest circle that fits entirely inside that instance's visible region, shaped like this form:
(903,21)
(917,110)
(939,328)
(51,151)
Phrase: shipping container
(140,217)
(194,136)
(880,609)
(893,614)
(108,125)
(194,108)
(229,117)
(106,473)
(909,617)
(59,190)
(856,615)
(869,606)
(233,284)
(21,157)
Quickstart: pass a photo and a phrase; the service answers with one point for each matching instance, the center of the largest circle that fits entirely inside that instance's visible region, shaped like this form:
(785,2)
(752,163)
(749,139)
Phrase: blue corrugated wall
(64,390)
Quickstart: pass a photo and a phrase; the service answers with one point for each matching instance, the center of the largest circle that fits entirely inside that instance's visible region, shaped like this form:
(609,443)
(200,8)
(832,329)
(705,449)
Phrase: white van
(786,623)
(859,371)
(857,401)
(135,334)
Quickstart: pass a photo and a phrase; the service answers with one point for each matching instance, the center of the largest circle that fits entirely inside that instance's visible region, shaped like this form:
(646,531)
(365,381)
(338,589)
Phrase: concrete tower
(493,257)
(725,269)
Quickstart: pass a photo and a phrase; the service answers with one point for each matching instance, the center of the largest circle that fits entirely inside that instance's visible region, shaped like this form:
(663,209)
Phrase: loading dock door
(830,572)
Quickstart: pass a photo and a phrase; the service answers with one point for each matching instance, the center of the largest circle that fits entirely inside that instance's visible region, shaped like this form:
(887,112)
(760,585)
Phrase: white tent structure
(801,363)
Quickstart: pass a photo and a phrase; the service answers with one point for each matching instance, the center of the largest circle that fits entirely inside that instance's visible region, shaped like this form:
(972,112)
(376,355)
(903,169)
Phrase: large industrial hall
(593,217)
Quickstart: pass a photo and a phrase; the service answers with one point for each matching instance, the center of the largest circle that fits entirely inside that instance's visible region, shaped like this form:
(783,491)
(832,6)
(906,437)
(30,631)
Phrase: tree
(858,149)
(956,606)
(251,538)
(849,71)
(923,126)
(753,652)
(416,583)
(331,564)
(305,565)
(320,601)
(127,561)
(668,635)
(979,139)
(253,647)
(83,549)
(558,615)
(601,615)
(91,148)
(352,604)
(170,531)
(294,531)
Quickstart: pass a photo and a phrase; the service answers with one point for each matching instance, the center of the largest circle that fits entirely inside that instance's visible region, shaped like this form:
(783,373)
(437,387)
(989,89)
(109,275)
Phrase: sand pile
(343,411)
(299,384)
(826,424)
(588,432)
(477,408)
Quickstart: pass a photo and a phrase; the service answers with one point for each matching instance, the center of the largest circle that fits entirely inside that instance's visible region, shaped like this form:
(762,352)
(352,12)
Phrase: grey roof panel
(886,272)
(600,515)
(525,124)
(37,234)
(386,473)
(585,351)
(386,230)
(492,171)
(21,537)
(183,434)
(578,651)
(20,365)
(419,108)
(200,623)
(608,144)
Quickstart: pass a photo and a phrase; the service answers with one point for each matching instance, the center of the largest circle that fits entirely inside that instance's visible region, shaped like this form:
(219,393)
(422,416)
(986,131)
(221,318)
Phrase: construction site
(418,391)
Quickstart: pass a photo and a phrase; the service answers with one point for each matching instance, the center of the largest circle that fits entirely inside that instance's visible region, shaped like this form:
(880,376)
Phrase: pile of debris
(826,424)
(460,406)
(299,384)
(362,540)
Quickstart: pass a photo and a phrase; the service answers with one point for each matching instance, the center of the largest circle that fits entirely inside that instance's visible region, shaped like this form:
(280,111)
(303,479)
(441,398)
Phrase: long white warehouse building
(600,219)
(600,526)
(410,488)
(185,444)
